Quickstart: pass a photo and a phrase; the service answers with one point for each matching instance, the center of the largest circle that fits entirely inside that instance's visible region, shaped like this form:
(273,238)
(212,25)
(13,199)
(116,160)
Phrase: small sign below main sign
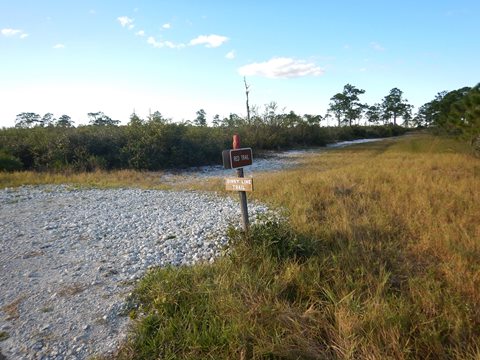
(237,158)
(239,184)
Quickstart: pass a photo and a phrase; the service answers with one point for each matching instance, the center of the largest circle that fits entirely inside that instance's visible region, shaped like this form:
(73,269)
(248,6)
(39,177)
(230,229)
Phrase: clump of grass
(71,290)
(244,302)
(12,309)
(4,336)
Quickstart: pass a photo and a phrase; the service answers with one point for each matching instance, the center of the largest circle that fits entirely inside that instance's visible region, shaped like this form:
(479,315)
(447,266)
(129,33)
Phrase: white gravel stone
(66,256)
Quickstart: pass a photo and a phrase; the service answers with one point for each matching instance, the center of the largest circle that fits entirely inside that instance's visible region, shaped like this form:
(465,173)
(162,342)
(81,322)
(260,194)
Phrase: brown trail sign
(239,184)
(237,158)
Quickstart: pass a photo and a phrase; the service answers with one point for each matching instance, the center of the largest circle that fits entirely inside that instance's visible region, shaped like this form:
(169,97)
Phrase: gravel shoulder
(69,258)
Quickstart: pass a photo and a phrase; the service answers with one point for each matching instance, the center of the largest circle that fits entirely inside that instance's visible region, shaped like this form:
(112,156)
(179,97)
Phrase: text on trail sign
(239,184)
(237,158)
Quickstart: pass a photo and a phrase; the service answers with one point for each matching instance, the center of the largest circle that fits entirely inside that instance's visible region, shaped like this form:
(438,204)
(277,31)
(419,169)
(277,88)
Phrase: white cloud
(376,46)
(125,21)
(160,44)
(24,36)
(172,45)
(151,40)
(11,32)
(59,46)
(140,33)
(230,55)
(281,67)
(166,26)
(210,41)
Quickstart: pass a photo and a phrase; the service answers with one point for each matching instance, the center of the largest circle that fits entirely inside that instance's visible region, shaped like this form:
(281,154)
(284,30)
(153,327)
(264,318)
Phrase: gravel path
(69,257)
(273,161)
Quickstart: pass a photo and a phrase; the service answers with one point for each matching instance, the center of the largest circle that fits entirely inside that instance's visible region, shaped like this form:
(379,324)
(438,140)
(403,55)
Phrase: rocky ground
(69,258)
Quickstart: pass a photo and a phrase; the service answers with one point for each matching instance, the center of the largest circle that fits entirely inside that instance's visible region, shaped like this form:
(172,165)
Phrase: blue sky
(75,57)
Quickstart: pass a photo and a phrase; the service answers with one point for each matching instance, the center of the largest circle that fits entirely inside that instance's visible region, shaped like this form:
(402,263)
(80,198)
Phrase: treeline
(155,143)
(455,112)
(49,144)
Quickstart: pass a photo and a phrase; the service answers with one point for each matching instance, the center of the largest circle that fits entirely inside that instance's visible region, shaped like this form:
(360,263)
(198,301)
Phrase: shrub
(9,162)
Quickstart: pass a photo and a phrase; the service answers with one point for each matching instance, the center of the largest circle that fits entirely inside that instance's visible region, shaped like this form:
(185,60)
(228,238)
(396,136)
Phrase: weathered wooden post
(243,194)
(237,159)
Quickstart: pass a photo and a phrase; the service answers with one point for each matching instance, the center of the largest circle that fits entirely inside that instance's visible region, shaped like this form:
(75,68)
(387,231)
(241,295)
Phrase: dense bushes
(157,145)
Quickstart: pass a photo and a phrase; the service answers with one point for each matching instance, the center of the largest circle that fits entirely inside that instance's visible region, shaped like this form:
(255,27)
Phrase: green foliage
(201,119)
(395,106)
(27,119)
(157,144)
(456,112)
(64,121)
(100,119)
(374,113)
(277,239)
(9,162)
(346,106)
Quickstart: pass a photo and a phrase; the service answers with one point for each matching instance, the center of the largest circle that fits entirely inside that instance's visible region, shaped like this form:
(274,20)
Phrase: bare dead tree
(247,90)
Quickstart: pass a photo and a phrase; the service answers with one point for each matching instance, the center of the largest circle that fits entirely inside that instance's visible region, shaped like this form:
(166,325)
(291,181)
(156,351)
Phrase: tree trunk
(246,93)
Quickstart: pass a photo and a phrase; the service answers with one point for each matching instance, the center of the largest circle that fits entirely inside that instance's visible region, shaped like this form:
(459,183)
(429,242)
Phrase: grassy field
(379,258)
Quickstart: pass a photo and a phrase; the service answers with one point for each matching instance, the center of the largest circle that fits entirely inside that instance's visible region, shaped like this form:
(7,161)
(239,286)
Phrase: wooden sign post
(243,194)
(237,159)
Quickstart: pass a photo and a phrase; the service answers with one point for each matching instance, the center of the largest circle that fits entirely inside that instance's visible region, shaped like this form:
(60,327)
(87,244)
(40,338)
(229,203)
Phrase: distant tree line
(346,108)
(46,143)
(156,143)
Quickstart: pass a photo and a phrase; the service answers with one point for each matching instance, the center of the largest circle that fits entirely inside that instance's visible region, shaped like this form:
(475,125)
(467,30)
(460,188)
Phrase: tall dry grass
(99,178)
(399,223)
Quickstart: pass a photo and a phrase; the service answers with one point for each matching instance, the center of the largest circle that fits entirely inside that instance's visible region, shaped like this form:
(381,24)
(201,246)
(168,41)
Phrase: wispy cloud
(11,32)
(7,32)
(167,26)
(125,21)
(59,46)
(281,67)
(210,41)
(230,55)
(140,33)
(376,46)
(161,44)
